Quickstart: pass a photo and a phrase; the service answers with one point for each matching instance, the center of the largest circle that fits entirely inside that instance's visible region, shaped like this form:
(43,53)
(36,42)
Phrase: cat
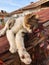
(15,29)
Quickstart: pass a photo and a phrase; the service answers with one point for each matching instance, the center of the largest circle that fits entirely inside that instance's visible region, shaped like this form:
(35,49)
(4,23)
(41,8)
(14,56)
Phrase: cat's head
(31,21)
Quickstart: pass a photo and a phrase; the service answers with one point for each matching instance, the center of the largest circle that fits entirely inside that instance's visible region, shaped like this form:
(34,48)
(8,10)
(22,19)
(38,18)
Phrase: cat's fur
(17,27)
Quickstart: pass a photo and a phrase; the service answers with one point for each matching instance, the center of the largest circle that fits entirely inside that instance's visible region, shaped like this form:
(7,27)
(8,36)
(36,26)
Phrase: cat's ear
(35,16)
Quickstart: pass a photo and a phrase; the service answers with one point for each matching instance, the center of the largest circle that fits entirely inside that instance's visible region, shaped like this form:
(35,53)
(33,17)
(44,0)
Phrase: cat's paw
(1,32)
(25,57)
(12,49)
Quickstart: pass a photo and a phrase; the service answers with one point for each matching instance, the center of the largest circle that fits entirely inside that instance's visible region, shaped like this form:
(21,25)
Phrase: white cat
(17,27)
(17,42)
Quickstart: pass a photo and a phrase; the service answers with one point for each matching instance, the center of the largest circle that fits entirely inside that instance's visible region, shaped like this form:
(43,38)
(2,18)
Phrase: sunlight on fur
(17,26)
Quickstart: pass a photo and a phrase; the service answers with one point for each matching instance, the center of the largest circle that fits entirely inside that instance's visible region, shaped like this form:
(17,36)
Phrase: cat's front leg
(8,24)
(23,54)
(11,39)
(3,31)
